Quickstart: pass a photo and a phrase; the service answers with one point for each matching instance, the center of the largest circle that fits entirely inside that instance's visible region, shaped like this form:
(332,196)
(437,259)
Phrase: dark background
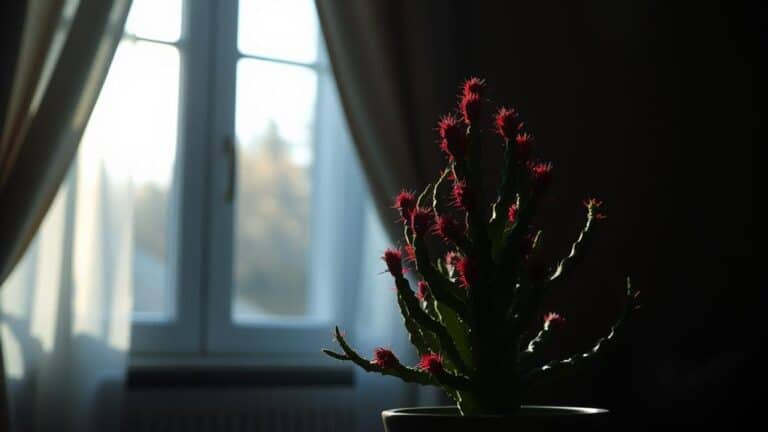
(656,107)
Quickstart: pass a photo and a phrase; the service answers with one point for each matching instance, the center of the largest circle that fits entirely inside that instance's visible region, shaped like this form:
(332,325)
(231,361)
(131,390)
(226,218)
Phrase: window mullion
(221,147)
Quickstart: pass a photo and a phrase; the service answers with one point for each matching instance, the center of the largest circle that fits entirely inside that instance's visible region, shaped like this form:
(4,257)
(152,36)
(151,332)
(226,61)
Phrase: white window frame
(203,327)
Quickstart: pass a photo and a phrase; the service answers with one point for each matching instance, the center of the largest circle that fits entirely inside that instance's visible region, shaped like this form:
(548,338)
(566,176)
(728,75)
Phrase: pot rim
(526,411)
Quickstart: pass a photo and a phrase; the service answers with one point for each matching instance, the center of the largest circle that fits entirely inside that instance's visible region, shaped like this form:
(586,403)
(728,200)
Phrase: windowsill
(230,376)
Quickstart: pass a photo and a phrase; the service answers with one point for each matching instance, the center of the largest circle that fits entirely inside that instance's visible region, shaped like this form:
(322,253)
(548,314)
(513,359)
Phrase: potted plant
(475,313)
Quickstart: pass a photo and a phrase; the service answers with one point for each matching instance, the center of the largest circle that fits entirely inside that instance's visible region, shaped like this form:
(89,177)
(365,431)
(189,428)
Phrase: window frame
(203,328)
(181,334)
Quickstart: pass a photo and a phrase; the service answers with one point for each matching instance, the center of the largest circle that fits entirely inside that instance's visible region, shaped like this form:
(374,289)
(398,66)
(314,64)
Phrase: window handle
(231,152)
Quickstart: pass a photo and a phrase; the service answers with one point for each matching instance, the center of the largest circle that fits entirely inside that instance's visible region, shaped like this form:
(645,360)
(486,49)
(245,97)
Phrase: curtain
(65,48)
(393,62)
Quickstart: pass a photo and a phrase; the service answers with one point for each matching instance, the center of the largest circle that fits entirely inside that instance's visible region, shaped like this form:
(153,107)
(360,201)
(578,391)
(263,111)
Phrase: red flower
(384,358)
(447,228)
(461,195)
(423,291)
(394,260)
(554,321)
(405,202)
(454,137)
(592,204)
(541,175)
(473,85)
(507,122)
(410,253)
(467,269)
(422,220)
(432,363)
(524,146)
(512,214)
(470,107)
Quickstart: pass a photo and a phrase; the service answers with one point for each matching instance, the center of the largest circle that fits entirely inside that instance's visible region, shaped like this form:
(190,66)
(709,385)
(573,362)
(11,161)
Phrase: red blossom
(524,146)
(473,85)
(431,362)
(423,291)
(394,260)
(410,253)
(553,321)
(461,195)
(384,358)
(405,202)
(422,220)
(541,175)
(470,107)
(467,269)
(447,228)
(454,137)
(507,122)
(592,204)
(512,214)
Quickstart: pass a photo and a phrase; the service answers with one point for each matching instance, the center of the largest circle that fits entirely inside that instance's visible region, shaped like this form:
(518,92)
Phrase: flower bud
(447,228)
(423,291)
(453,137)
(384,358)
(405,202)
(394,260)
(432,363)
(422,220)
(507,122)
(553,321)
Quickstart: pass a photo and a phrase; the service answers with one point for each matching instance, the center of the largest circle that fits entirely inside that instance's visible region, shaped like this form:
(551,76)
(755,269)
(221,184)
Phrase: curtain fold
(65,48)
(393,62)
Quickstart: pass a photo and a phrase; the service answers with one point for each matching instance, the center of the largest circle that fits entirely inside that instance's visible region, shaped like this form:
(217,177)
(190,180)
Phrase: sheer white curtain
(66,307)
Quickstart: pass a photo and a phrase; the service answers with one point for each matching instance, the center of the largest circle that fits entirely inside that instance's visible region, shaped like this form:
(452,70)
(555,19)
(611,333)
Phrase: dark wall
(656,107)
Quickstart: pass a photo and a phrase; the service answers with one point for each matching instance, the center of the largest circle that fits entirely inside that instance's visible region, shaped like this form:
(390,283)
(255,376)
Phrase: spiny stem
(443,289)
(426,322)
(405,373)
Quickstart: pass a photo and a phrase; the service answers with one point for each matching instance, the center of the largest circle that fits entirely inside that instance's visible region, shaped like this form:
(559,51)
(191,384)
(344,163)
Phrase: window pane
(131,140)
(155,19)
(285,29)
(274,116)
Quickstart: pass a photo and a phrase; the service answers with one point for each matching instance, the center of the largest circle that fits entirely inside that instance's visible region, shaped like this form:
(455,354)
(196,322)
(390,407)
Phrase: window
(226,118)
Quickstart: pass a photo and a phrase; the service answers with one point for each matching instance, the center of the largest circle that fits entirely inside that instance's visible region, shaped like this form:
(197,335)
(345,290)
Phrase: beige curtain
(65,51)
(393,61)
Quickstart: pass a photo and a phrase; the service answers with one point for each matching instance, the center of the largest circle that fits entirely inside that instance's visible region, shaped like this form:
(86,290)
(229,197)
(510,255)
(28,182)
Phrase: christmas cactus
(475,314)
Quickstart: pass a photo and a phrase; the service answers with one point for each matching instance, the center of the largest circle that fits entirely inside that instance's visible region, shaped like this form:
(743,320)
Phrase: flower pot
(529,418)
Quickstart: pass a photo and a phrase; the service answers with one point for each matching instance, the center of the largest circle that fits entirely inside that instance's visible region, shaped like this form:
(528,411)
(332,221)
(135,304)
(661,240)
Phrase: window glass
(274,126)
(285,29)
(155,19)
(131,141)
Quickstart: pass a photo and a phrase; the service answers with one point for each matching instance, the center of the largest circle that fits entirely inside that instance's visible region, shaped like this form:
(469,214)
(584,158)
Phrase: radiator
(205,410)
